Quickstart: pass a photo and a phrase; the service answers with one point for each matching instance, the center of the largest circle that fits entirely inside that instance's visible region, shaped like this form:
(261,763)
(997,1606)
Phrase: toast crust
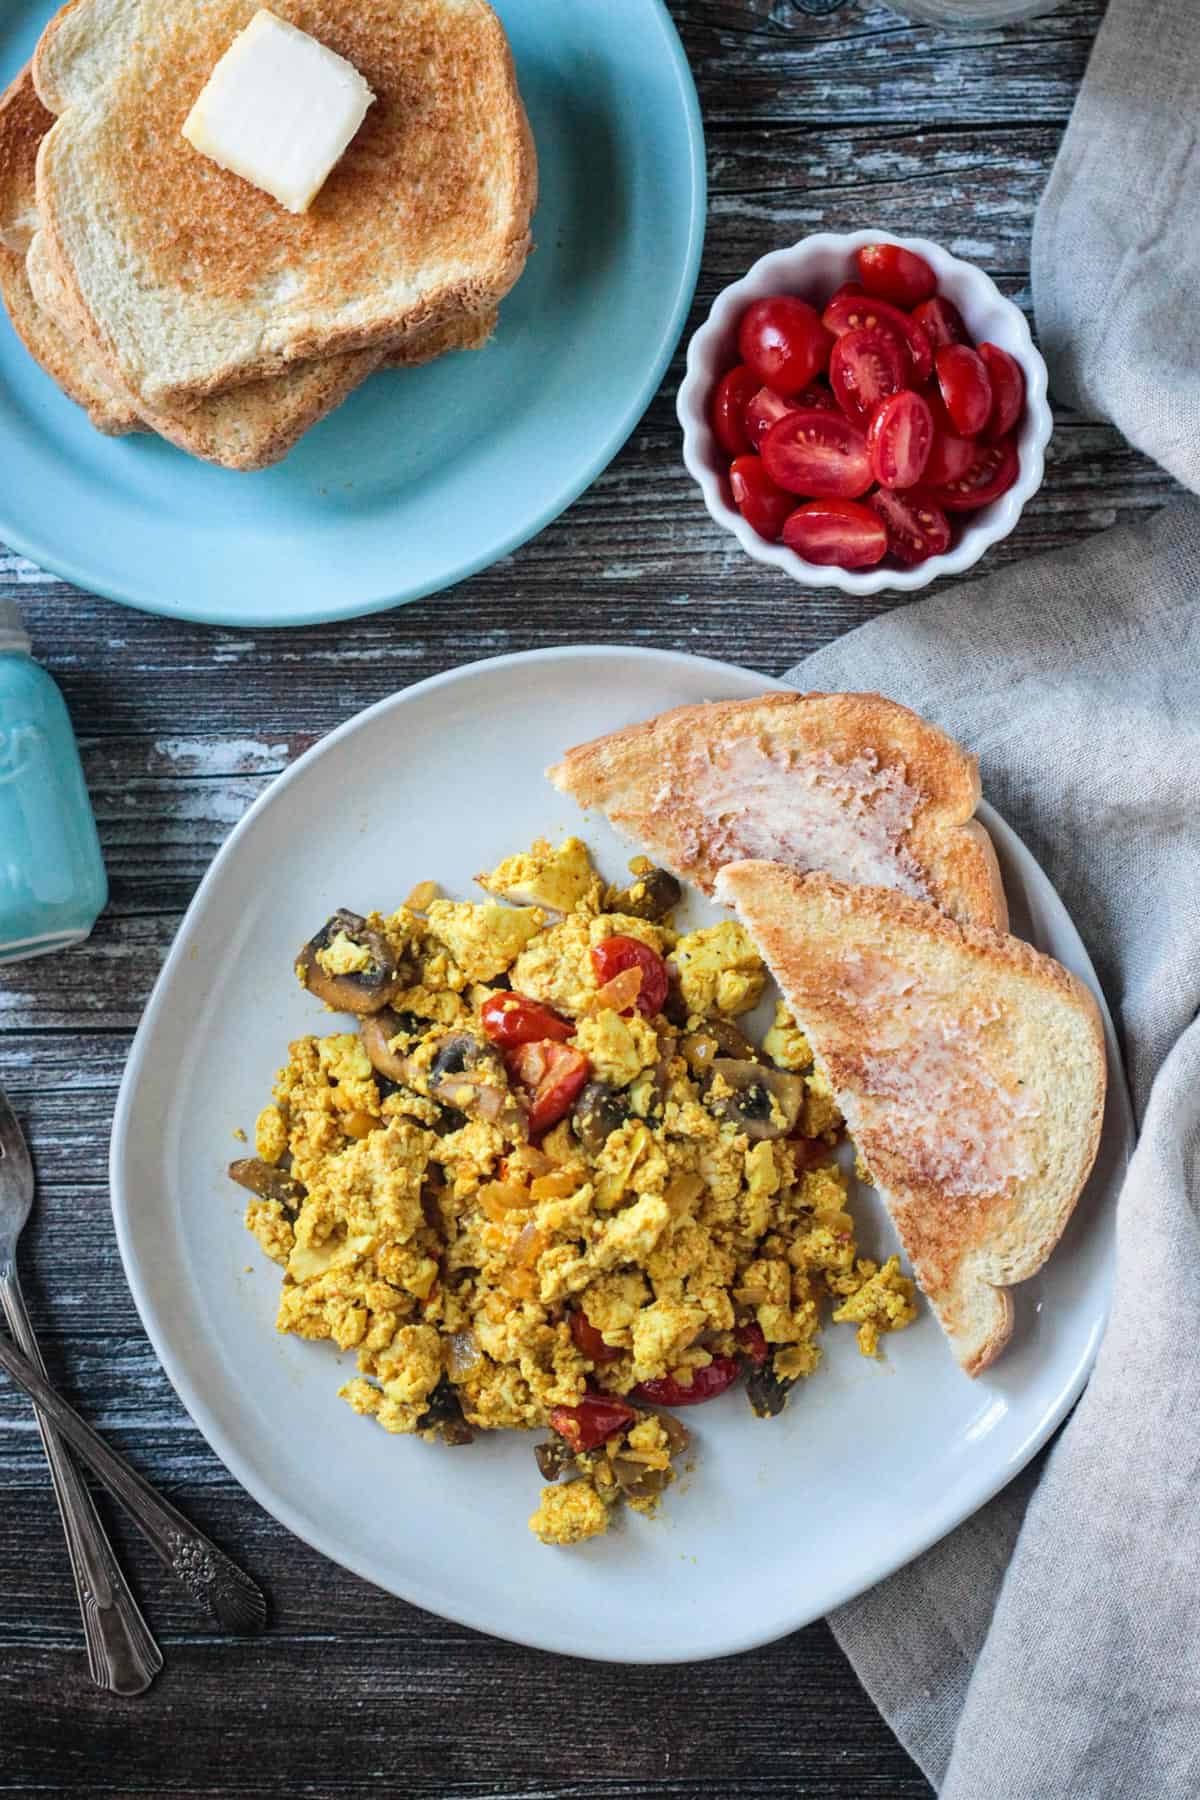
(971,1070)
(852,783)
(192,282)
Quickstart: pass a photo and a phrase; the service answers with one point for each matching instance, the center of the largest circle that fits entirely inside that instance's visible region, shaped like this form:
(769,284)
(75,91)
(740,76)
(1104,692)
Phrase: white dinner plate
(780,1520)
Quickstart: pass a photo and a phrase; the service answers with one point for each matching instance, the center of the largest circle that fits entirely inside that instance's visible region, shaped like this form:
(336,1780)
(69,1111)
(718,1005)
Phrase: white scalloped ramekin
(813,269)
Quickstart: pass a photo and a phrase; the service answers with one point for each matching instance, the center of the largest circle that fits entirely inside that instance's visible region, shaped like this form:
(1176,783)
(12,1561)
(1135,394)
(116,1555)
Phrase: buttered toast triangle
(853,784)
(191,281)
(970,1069)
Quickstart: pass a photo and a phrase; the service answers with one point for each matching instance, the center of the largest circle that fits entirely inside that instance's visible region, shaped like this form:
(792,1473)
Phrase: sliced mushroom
(599,1111)
(359,991)
(636,1481)
(717,1038)
(762,1102)
(377,1031)
(444,1414)
(468,1074)
(649,896)
(768,1391)
(553,1457)
(267,1181)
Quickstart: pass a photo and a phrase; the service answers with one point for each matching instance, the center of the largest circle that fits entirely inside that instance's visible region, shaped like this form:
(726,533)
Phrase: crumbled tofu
(568,1515)
(720,971)
(559,880)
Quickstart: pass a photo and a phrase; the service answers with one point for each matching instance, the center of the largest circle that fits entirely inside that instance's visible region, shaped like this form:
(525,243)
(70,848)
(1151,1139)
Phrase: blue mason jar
(52,882)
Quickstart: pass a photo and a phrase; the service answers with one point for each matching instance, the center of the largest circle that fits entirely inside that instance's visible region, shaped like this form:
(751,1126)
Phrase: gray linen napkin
(1050,1647)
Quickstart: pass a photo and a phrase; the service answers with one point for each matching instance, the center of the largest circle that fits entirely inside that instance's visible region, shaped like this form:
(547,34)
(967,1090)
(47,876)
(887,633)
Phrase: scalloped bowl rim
(783,270)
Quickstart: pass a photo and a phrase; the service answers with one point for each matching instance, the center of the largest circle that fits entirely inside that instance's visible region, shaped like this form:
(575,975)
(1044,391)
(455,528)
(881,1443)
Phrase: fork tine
(15,1162)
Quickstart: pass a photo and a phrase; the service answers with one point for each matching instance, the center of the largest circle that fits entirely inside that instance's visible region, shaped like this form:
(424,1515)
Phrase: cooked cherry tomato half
(588,1341)
(590,1424)
(1008,390)
(734,392)
(965,387)
(867,366)
(752,1343)
(895,274)
(553,1077)
(784,342)
(615,954)
(850,312)
(511,1019)
(818,454)
(761,502)
(916,528)
(899,439)
(764,410)
(706,1384)
(836,531)
(941,322)
(992,472)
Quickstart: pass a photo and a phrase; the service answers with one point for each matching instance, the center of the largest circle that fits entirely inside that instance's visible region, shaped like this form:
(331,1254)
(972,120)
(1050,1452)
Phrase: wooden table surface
(814,120)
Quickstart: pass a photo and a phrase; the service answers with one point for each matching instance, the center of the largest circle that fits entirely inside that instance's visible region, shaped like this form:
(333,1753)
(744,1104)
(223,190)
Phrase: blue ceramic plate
(424,476)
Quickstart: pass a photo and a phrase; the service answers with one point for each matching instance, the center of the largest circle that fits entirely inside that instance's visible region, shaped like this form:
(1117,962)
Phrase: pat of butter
(279,109)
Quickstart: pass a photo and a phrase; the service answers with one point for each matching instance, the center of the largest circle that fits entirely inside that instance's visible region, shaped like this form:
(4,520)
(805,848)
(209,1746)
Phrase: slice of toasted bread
(67,362)
(252,427)
(192,281)
(970,1069)
(853,784)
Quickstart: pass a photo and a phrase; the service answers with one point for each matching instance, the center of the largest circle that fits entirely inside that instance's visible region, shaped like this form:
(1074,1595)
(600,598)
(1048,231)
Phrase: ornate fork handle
(122,1655)
(206,1572)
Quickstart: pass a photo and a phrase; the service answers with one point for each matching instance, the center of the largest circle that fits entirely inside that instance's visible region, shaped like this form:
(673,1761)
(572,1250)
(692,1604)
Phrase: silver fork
(122,1655)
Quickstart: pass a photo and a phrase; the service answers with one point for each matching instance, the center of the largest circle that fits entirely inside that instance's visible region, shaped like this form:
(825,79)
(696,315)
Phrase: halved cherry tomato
(951,455)
(768,407)
(847,287)
(1008,390)
(590,1424)
(836,531)
(762,503)
(965,387)
(899,439)
(867,366)
(511,1019)
(784,342)
(736,388)
(916,528)
(706,1384)
(588,1341)
(818,454)
(612,955)
(895,274)
(849,312)
(552,1075)
(941,321)
(752,1343)
(765,409)
(992,472)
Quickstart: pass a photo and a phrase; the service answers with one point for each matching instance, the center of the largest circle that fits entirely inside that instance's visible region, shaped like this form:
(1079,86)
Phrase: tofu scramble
(548,1184)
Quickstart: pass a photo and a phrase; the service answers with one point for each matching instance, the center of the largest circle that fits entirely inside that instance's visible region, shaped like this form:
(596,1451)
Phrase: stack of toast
(969,1067)
(164,293)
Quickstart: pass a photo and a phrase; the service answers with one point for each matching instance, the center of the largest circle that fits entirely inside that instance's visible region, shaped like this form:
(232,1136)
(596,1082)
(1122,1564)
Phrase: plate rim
(279,1506)
(136,594)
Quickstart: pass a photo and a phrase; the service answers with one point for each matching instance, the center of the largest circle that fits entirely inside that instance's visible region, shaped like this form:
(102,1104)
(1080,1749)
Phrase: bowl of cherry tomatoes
(864,411)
